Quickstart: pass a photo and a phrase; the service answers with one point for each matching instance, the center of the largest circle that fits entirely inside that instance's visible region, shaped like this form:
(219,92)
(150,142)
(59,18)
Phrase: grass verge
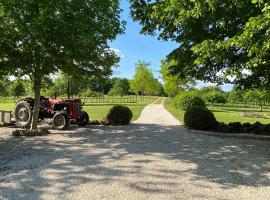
(178,114)
(222,114)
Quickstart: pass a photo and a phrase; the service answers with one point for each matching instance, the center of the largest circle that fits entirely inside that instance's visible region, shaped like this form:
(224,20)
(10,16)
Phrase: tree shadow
(138,153)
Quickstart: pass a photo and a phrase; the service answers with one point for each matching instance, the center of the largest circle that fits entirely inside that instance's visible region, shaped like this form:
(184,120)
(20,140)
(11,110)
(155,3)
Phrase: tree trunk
(261,107)
(37,89)
(68,89)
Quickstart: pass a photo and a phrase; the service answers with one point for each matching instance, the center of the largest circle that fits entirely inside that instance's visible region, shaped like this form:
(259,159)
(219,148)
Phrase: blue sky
(133,46)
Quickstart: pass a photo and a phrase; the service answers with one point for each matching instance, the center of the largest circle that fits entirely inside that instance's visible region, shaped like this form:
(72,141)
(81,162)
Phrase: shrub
(119,115)
(200,118)
(215,97)
(90,93)
(236,127)
(184,101)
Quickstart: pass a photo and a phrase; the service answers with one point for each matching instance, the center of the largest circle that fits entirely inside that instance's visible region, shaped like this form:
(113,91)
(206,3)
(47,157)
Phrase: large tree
(173,83)
(141,78)
(144,82)
(216,41)
(40,37)
(120,88)
(17,88)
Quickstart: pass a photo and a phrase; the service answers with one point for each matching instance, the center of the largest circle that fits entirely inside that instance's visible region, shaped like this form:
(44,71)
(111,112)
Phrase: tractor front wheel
(84,119)
(61,121)
(23,114)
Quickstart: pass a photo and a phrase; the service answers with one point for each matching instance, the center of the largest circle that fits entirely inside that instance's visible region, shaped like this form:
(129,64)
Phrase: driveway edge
(231,135)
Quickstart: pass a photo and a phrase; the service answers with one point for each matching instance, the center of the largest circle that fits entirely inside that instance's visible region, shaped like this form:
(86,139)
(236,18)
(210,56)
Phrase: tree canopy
(173,84)
(219,41)
(40,37)
(120,88)
(144,81)
(17,88)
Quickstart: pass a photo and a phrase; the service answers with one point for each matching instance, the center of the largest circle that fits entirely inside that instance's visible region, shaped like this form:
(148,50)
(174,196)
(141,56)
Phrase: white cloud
(118,53)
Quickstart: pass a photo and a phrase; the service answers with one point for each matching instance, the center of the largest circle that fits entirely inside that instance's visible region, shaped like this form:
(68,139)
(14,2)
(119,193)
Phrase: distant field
(7,106)
(98,111)
(224,114)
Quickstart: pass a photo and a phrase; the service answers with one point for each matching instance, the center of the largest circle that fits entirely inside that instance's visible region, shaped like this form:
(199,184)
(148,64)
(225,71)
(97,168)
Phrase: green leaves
(217,40)
(144,81)
(66,35)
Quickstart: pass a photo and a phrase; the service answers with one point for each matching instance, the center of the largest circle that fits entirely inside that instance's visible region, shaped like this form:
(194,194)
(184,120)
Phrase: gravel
(153,158)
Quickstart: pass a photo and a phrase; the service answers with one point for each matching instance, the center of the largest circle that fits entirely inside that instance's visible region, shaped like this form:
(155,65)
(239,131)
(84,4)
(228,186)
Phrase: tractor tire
(61,121)
(84,119)
(23,114)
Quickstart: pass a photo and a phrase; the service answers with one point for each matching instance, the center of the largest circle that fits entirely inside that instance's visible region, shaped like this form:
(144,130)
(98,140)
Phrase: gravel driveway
(154,158)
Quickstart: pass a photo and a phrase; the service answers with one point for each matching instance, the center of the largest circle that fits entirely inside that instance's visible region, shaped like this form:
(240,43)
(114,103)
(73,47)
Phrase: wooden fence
(99,99)
(108,100)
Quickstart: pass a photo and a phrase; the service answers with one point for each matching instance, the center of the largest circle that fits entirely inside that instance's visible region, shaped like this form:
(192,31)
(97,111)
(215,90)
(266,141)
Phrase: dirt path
(154,158)
(156,114)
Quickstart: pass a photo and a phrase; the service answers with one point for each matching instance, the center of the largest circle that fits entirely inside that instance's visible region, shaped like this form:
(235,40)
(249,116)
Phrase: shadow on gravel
(61,161)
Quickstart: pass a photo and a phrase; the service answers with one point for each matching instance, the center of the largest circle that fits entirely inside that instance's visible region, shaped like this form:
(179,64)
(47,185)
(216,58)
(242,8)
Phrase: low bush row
(198,116)
(237,127)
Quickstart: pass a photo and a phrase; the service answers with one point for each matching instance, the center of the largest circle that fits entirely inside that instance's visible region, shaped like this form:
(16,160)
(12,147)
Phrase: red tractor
(61,111)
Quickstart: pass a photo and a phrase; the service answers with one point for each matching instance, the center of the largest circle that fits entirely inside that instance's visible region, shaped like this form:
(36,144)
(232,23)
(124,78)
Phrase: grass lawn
(222,114)
(98,111)
(7,106)
(178,114)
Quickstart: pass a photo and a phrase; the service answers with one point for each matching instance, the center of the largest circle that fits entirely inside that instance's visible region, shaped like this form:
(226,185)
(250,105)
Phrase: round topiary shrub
(119,115)
(200,118)
(186,100)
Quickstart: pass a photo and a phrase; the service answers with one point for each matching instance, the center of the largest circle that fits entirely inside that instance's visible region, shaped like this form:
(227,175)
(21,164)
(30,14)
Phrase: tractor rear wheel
(23,114)
(84,119)
(61,121)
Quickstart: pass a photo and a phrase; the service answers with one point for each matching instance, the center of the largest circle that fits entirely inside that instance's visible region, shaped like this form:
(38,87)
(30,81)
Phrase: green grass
(7,106)
(98,111)
(178,114)
(159,101)
(230,114)
(222,114)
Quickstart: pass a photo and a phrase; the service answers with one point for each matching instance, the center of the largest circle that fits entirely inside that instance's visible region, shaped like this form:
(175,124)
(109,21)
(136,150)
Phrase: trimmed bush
(237,127)
(200,118)
(186,100)
(119,115)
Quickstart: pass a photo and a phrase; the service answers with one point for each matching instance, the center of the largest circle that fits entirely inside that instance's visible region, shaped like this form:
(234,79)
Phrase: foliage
(38,38)
(119,115)
(90,93)
(215,97)
(236,96)
(237,127)
(200,118)
(217,39)
(120,88)
(144,81)
(173,84)
(4,83)
(258,96)
(186,100)
(17,88)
